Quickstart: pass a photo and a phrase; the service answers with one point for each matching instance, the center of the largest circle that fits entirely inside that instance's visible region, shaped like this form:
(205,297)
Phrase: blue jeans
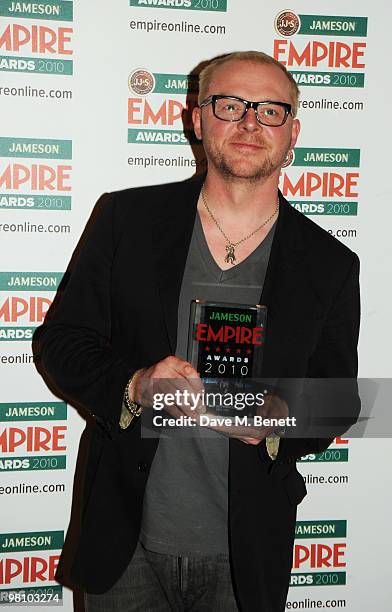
(154,582)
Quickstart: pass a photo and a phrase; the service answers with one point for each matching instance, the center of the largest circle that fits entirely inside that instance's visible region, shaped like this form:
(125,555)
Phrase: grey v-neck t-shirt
(185,507)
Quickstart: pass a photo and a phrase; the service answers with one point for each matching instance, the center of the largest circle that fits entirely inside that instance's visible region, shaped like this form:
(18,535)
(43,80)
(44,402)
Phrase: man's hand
(273,407)
(166,377)
(174,374)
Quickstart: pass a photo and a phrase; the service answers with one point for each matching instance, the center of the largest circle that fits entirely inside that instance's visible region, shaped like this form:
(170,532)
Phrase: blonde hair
(253,56)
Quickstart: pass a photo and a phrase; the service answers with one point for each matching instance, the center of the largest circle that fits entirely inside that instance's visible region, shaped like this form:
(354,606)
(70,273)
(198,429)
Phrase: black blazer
(118,313)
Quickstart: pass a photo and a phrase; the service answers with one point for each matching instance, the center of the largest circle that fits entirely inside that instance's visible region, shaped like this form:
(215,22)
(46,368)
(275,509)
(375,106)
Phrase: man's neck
(245,197)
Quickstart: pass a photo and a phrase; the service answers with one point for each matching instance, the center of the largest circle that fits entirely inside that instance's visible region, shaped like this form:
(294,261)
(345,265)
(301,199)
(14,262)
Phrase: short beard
(231,175)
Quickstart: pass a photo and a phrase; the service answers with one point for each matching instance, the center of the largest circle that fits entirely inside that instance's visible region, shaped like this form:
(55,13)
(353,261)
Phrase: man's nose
(249,122)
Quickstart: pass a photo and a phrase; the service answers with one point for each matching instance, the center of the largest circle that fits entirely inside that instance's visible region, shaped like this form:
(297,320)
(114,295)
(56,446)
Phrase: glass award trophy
(225,345)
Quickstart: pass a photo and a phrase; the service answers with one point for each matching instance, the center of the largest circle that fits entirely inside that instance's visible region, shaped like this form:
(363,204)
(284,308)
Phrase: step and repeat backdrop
(96,96)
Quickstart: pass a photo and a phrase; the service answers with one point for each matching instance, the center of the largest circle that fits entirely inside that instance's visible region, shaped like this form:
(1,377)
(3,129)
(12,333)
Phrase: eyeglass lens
(233,110)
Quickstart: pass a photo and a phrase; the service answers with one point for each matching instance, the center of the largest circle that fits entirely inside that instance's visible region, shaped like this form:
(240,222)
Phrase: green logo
(329,455)
(175,83)
(40,65)
(190,5)
(30,281)
(317,207)
(15,334)
(36,147)
(164,137)
(321,529)
(26,464)
(16,201)
(317,579)
(328,79)
(59,10)
(288,23)
(33,411)
(142,82)
(347,158)
(33,540)
(328,25)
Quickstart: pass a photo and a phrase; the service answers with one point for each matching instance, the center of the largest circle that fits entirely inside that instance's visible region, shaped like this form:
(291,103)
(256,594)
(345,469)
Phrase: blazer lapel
(171,239)
(285,288)
(284,264)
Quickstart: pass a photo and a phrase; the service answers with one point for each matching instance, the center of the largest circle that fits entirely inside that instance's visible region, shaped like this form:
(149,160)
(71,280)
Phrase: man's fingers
(180,367)
(253,441)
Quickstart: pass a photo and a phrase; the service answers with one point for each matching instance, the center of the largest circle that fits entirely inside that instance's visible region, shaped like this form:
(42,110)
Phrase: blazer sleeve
(330,400)
(73,345)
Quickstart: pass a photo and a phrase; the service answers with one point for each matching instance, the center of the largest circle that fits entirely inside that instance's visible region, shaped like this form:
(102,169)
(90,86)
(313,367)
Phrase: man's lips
(247,145)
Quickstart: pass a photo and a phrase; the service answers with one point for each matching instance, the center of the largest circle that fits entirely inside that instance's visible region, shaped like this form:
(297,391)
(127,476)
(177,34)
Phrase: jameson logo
(47,9)
(319,563)
(333,63)
(349,158)
(226,340)
(39,540)
(142,82)
(35,147)
(29,558)
(288,23)
(191,5)
(26,281)
(20,309)
(48,176)
(321,529)
(28,41)
(33,411)
(337,189)
(161,118)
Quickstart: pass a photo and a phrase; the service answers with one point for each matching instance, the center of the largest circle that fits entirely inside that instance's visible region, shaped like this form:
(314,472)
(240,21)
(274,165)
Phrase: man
(201,523)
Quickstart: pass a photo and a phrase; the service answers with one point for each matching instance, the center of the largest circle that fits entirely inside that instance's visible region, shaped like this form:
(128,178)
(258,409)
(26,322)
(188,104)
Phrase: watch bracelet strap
(129,409)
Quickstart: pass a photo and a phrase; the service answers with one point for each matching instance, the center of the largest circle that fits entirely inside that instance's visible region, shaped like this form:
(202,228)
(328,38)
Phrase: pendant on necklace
(230,257)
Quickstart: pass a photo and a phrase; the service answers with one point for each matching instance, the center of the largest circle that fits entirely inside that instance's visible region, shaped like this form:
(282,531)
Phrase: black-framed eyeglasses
(231,108)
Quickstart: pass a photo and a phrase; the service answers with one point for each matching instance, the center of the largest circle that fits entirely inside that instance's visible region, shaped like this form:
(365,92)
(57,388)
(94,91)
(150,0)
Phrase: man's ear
(196,118)
(295,130)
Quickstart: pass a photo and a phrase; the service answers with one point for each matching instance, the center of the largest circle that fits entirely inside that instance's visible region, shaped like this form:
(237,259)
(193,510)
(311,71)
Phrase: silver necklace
(230,247)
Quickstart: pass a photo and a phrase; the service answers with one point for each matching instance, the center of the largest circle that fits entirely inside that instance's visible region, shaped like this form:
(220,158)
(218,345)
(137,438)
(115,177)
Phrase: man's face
(246,149)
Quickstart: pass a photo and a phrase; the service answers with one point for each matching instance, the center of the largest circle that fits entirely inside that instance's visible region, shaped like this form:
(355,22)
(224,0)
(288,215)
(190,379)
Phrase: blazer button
(142,466)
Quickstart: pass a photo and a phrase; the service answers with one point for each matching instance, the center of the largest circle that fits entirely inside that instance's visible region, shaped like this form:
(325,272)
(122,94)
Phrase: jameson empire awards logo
(330,48)
(160,107)
(30,46)
(44,438)
(190,5)
(35,174)
(329,183)
(17,306)
(319,559)
(28,563)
